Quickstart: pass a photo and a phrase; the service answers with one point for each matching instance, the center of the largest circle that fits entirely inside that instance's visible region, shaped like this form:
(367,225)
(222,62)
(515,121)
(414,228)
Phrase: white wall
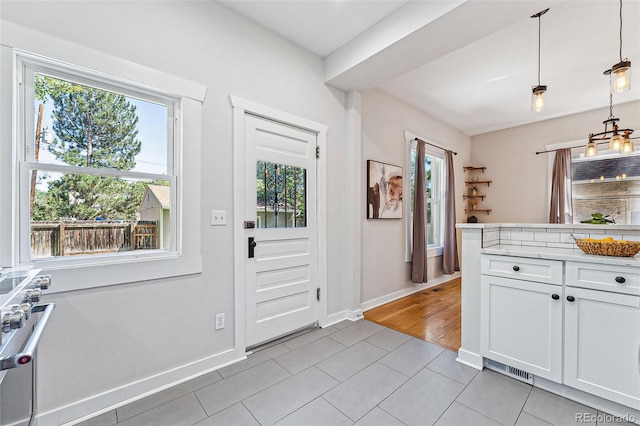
(520,188)
(126,339)
(384,120)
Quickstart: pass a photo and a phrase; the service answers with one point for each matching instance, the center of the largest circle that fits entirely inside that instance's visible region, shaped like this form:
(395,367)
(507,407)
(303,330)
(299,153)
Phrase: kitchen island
(535,307)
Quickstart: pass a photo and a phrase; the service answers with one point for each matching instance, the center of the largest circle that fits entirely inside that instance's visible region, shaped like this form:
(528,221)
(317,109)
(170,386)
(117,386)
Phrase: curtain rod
(577,146)
(425,142)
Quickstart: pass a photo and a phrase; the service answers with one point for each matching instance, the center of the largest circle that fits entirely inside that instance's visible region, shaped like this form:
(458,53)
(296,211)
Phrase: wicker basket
(628,248)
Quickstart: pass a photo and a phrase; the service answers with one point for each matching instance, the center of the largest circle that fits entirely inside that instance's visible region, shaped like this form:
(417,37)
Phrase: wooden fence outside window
(69,238)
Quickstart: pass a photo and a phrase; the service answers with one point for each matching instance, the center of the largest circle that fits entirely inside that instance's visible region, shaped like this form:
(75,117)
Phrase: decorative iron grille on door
(281,195)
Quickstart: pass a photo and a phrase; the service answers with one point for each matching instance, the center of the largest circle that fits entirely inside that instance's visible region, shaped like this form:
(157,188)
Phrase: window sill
(91,273)
(432,251)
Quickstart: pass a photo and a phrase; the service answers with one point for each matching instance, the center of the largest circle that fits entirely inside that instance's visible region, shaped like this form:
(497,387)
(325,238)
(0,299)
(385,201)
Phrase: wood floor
(432,314)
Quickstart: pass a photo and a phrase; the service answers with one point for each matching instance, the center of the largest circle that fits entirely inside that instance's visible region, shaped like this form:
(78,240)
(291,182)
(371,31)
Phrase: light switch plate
(218,217)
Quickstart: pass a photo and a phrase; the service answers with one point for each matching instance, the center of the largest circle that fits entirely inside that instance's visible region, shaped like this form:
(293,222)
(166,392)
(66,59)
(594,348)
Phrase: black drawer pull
(571,298)
(516,268)
(555,296)
(620,280)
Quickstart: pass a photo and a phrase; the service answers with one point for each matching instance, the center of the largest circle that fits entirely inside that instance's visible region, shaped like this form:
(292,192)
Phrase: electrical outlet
(219,321)
(218,217)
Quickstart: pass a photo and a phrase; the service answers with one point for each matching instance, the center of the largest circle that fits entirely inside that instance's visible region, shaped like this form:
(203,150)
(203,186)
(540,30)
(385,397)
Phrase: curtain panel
(450,262)
(561,209)
(419,248)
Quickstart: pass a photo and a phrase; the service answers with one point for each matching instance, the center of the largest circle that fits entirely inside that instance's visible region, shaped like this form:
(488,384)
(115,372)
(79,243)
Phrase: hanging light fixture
(620,72)
(538,102)
(619,139)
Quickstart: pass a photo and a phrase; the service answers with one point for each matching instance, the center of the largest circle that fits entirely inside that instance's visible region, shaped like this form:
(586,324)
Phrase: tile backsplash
(548,237)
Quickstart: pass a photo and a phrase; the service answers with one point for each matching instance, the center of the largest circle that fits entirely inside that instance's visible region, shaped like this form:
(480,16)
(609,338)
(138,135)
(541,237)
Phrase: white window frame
(27,67)
(22,44)
(437,187)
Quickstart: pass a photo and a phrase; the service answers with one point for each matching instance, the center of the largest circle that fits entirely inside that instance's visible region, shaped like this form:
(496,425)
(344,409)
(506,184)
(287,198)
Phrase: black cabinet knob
(555,296)
(620,280)
(571,298)
(516,268)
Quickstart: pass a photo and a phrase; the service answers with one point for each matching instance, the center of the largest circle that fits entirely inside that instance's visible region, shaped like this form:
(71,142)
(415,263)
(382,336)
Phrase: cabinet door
(602,344)
(521,325)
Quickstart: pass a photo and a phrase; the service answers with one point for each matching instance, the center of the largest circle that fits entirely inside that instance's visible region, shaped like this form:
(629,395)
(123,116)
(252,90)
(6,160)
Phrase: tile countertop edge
(575,255)
(558,226)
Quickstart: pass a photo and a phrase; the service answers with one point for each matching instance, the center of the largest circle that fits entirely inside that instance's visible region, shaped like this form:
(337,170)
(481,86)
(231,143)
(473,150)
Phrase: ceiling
(470,64)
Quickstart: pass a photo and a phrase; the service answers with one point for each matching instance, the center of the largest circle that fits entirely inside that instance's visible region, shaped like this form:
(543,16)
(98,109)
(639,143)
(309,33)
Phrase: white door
(521,325)
(281,250)
(602,344)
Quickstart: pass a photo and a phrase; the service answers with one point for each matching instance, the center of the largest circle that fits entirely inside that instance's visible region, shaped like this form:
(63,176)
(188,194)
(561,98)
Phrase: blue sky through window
(152,132)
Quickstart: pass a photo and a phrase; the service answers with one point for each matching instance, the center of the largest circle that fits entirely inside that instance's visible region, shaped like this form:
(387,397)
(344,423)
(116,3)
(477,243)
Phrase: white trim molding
(96,405)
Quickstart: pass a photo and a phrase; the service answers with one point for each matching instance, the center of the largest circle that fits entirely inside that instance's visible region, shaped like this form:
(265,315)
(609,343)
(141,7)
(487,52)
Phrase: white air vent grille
(516,373)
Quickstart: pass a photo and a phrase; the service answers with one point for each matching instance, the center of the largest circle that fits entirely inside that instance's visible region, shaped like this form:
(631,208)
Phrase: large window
(609,184)
(96,166)
(434,196)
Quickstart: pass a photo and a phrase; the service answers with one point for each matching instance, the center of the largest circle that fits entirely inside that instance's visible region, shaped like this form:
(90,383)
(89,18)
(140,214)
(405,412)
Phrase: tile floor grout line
(203,409)
(249,411)
(456,400)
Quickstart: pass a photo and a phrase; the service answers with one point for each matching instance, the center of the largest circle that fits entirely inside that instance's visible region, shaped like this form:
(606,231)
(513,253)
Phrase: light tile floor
(351,374)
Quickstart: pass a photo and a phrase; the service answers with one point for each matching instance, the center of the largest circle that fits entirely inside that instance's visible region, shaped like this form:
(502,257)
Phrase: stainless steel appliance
(23,320)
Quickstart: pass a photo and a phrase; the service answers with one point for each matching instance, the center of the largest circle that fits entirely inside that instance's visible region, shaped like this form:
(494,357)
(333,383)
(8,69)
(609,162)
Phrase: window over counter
(609,184)
(97,172)
(434,196)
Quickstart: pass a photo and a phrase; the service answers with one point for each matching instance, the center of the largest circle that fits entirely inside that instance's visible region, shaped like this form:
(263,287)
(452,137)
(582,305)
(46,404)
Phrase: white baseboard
(470,359)
(95,405)
(344,315)
(378,301)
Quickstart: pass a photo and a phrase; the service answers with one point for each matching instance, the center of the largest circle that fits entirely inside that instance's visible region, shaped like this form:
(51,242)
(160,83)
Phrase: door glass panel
(281,196)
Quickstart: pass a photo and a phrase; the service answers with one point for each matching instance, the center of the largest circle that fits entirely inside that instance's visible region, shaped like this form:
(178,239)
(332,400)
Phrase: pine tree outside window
(96,172)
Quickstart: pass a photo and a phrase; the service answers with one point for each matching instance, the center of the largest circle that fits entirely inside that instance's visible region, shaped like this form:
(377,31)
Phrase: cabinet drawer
(523,268)
(619,279)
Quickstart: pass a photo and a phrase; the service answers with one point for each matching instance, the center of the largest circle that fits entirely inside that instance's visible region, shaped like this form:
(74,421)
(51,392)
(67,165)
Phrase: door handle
(28,352)
(252,246)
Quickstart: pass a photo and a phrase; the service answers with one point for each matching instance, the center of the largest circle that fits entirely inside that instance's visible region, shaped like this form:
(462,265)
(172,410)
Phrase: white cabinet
(521,325)
(529,320)
(602,339)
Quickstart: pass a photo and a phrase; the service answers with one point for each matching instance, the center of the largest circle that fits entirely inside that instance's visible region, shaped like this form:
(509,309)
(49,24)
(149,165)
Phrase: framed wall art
(384,191)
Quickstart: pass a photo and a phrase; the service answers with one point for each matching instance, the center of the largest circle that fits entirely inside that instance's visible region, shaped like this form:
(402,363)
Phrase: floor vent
(516,373)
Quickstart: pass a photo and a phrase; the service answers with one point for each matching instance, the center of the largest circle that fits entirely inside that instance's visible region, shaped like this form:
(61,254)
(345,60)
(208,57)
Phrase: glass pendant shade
(615,143)
(627,146)
(621,77)
(538,101)
(591,150)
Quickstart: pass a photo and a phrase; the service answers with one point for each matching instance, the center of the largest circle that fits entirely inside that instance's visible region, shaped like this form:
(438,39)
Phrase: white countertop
(554,226)
(575,255)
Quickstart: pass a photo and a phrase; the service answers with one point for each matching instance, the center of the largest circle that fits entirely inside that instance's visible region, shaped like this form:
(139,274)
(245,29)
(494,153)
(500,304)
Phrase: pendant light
(538,102)
(627,144)
(591,150)
(619,139)
(621,72)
